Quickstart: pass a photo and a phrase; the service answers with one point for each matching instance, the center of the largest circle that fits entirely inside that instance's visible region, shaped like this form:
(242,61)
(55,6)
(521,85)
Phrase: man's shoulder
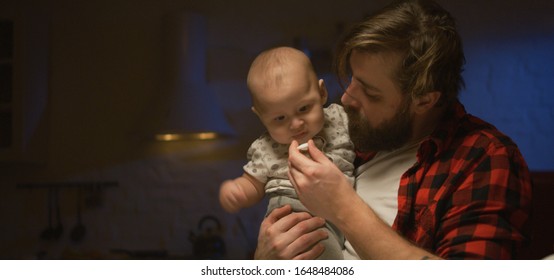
(482,133)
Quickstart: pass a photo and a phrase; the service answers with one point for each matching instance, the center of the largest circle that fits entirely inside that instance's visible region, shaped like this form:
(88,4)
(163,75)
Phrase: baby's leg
(334,244)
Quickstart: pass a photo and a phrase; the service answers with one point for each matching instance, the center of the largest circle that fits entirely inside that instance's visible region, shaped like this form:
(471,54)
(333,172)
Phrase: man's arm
(326,192)
(372,238)
(489,209)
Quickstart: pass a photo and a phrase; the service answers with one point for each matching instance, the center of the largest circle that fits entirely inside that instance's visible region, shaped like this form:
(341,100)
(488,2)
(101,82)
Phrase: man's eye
(371,96)
(279,118)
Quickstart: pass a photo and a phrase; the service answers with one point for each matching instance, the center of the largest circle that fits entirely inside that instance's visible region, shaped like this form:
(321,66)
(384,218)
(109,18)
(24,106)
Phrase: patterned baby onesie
(268,163)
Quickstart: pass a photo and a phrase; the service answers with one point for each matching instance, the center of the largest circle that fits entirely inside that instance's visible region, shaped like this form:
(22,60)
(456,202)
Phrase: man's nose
(348,100)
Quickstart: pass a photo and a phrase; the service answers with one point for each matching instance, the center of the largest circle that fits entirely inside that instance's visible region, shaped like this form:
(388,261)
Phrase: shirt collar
(443,135)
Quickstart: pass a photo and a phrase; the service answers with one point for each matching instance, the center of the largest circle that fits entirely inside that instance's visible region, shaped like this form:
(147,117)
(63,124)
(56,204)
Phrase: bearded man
(432,181)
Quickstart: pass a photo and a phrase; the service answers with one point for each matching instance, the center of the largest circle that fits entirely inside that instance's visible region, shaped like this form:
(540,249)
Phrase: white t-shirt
(377,183)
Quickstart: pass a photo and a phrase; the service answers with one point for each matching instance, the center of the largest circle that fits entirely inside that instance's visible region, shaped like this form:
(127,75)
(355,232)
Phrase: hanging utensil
(58,230)
(48,233)
(79,231)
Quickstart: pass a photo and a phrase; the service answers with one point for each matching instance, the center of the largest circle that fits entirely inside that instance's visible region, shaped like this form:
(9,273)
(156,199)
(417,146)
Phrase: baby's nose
(296,123)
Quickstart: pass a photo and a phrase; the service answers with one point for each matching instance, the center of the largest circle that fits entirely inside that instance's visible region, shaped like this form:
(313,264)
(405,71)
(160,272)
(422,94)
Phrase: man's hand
(320,185)
(286,235)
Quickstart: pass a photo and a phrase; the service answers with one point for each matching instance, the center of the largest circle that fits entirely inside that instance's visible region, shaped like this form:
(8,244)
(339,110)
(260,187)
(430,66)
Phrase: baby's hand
(229,196)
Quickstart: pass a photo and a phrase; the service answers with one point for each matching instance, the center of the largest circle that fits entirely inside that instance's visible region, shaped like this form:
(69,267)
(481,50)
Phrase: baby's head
(286,94)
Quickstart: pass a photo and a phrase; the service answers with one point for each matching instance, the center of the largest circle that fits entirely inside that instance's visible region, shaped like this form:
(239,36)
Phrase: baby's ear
(323,91)
(255,111)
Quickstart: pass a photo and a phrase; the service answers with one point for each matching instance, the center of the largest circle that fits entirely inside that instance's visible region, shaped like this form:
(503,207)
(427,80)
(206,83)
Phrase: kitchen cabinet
(24,88)
(6,83)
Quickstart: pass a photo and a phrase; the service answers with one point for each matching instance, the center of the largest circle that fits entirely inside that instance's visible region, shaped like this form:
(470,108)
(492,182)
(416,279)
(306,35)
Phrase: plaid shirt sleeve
(485,216)
(470,200)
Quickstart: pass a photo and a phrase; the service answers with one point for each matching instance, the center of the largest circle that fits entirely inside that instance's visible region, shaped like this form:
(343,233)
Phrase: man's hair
(425,36)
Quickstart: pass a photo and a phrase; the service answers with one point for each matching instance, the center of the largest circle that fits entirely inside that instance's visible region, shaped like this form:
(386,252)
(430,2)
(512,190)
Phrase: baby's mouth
(301,135)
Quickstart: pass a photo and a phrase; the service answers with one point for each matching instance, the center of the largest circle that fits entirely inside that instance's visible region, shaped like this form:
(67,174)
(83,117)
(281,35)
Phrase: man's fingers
(306,235)
(299,223)
(312,253)
(278,213)
(294,144)
(316,154)
(300,161)
(296,158)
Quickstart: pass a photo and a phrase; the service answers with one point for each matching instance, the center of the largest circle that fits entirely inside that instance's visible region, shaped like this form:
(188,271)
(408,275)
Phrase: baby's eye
(279,118)
(304,108)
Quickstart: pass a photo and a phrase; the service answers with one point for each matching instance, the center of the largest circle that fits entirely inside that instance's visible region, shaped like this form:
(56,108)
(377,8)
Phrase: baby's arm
(241,192)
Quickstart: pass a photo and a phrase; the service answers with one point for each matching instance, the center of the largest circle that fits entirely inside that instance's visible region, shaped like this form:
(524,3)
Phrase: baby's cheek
(280,136)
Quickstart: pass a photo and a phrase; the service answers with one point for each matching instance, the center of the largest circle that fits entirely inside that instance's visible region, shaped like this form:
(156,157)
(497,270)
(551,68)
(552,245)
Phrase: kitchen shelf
(70,184)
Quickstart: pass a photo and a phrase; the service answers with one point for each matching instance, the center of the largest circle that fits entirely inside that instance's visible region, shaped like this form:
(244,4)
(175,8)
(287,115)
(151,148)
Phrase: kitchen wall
(105,70)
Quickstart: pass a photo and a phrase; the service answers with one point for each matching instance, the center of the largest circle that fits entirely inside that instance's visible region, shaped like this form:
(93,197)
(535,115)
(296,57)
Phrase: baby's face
(292,111)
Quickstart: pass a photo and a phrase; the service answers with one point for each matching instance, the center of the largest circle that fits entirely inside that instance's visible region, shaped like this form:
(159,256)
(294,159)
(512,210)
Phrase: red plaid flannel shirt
(469,194)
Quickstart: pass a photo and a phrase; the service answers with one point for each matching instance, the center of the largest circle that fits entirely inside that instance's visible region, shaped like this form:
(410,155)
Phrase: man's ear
(426,101)
(323,91)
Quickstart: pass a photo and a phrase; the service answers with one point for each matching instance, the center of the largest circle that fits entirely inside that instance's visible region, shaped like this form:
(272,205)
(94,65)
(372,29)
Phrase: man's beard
(390,135)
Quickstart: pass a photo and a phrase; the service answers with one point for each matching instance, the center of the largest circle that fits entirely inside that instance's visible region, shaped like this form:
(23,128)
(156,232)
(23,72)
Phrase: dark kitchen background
(84,84)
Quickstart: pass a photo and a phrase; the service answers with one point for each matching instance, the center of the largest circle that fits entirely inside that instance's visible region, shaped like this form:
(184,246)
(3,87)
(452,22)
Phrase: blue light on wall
(510,83)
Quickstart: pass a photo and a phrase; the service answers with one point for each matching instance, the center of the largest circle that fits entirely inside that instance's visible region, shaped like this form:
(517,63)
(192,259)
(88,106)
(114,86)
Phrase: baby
(289,100)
